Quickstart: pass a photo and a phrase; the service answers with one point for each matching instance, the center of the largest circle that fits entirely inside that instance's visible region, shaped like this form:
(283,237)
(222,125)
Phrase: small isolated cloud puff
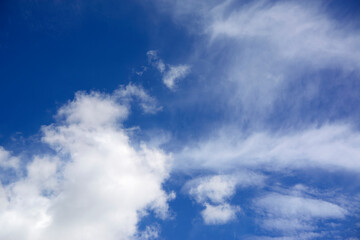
(170,73)
(156,61)
(217,190)
(220,188)
(175,73)
(219,214)
(96,185)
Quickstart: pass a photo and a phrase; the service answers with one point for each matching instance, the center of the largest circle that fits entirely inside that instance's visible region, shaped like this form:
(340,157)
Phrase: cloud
(295,30)
(214,191)
(291,30)
(174,74)
(96,185)
(219,214)
(295,206)
(7,161)
(171,74)
(258,56)
(328,147)
(275,45)
(219,188)
(284,74)
(150,232)
(126,94)
(295,213)
(306,235)
(156,61)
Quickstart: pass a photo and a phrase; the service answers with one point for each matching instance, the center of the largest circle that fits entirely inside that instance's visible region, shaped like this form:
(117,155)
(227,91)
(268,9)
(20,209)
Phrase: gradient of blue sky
(179,119)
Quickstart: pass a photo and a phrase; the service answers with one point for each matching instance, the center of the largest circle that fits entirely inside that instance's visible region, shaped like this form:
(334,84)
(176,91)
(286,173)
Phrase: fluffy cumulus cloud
(219,214)
(96,185)
(213,192)
(219,188)
(171,74)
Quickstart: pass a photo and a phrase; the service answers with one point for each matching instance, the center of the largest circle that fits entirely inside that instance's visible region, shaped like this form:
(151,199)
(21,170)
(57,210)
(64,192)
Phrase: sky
(179,119)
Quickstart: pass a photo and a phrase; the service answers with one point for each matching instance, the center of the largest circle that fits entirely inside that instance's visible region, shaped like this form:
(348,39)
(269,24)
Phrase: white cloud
(264,47)
(128,93)
(220,188)
(219,214)
(174,74)
(303,236)
(295,206)
(262,58)
(290,213)
(171,74)
(95,186)
(328,147)
(295,30)
(217,190)
(276,44)
(156,61)
(7,161)
(93,110)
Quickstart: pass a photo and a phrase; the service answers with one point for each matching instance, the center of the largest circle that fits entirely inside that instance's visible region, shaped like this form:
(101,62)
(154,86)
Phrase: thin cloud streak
(328,147)
(171,74)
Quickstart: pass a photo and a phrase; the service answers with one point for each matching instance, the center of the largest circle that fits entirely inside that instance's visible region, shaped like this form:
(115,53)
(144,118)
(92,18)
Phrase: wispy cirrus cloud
(171,74)
(329,147)
(293,30)
(281,75)
(254,51)
(129,93)
(295,213)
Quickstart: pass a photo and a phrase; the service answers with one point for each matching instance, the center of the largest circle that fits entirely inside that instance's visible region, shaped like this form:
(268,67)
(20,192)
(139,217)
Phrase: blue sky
(179,119)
